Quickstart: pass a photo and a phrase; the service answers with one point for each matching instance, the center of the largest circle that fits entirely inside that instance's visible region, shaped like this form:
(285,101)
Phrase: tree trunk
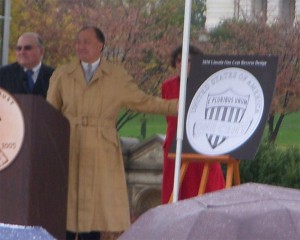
(273,132)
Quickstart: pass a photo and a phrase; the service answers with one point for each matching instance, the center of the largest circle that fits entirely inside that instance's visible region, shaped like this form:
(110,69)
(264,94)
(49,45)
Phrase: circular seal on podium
(12,129)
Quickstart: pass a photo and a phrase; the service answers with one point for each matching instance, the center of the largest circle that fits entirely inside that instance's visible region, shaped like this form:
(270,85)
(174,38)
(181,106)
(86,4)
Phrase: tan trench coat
(97,194)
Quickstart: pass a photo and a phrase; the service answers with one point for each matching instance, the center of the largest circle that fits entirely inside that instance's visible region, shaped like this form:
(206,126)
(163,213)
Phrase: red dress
(191,181)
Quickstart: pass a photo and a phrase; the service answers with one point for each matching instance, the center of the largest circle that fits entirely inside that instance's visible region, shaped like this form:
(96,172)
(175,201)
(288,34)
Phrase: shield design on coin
(224,112)
(227,106)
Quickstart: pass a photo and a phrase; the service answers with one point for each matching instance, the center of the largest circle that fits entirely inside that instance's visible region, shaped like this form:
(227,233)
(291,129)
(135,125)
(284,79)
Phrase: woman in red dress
(190,184)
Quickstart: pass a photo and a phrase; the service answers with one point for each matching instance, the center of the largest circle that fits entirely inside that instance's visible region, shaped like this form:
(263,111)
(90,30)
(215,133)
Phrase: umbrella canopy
(17,232)
(248,211)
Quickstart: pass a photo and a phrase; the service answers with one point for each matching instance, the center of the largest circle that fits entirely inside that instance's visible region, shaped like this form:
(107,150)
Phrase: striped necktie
(88,73)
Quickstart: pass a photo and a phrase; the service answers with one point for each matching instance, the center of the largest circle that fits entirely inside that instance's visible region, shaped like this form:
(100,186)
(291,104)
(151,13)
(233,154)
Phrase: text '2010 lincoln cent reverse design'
(12,129)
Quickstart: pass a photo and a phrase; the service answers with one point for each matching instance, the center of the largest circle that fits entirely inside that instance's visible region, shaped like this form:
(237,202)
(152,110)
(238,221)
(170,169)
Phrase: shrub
(273,165)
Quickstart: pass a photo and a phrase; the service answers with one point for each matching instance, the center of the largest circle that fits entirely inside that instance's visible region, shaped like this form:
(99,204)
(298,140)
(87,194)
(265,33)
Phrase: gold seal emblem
(12,129)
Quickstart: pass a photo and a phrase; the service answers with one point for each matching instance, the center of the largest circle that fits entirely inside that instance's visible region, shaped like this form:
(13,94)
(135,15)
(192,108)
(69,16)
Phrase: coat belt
(85,121)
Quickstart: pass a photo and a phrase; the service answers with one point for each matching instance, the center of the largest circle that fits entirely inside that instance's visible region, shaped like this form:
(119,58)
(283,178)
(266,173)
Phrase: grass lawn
(156,124)
(289,133)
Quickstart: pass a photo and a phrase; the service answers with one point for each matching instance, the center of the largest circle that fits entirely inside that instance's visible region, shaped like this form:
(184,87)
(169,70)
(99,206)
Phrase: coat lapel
(75,70)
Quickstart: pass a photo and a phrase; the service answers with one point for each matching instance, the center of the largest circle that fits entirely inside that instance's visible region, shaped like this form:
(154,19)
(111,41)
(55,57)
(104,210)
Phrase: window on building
(236,9)
(259,9)
(287,11)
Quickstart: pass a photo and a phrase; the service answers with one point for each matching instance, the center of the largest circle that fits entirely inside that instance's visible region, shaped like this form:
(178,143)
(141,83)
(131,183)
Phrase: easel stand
(232,173)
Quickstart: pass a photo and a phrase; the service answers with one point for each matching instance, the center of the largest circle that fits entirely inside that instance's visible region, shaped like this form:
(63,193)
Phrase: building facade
(143,163)
(270,10)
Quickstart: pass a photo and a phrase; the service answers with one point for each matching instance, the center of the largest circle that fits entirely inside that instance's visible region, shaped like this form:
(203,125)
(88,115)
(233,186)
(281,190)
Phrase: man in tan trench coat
(97,194)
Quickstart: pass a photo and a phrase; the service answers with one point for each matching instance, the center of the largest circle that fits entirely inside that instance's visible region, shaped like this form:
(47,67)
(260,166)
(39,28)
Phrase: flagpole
(5,44)
(182,95)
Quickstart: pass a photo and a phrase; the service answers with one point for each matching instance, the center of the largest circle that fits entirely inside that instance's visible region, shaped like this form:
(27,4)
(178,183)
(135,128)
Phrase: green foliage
(273,165)
(220,33)
(198,13)
(255,37)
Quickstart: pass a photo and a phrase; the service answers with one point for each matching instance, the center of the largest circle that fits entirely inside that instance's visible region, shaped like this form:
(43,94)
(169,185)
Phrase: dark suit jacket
(13,79)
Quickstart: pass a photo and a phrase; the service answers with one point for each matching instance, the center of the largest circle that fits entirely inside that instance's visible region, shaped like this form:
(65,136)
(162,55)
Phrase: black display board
(227,104)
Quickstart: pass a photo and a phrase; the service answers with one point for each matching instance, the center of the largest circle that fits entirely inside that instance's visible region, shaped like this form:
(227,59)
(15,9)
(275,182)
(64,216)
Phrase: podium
(33,188)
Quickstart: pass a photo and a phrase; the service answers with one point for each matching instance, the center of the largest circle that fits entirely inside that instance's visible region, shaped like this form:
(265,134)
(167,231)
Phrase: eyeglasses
(25,48)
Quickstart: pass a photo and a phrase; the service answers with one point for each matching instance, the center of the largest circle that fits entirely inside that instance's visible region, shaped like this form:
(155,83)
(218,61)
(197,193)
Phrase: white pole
(6,33)
(182,95)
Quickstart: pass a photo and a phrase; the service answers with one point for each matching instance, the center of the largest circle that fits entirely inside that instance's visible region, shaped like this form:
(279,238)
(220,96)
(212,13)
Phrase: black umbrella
(245,212)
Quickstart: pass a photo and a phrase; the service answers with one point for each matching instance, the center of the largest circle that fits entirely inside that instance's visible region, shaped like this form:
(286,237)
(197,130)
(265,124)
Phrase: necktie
(29,74)
(88,73)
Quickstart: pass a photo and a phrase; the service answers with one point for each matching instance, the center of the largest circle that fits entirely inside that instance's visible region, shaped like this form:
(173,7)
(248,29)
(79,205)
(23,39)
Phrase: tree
(140,34)
(258,38)
(51,20)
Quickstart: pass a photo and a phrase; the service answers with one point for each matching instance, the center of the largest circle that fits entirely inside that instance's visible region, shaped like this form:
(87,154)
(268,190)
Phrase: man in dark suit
(28,75)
